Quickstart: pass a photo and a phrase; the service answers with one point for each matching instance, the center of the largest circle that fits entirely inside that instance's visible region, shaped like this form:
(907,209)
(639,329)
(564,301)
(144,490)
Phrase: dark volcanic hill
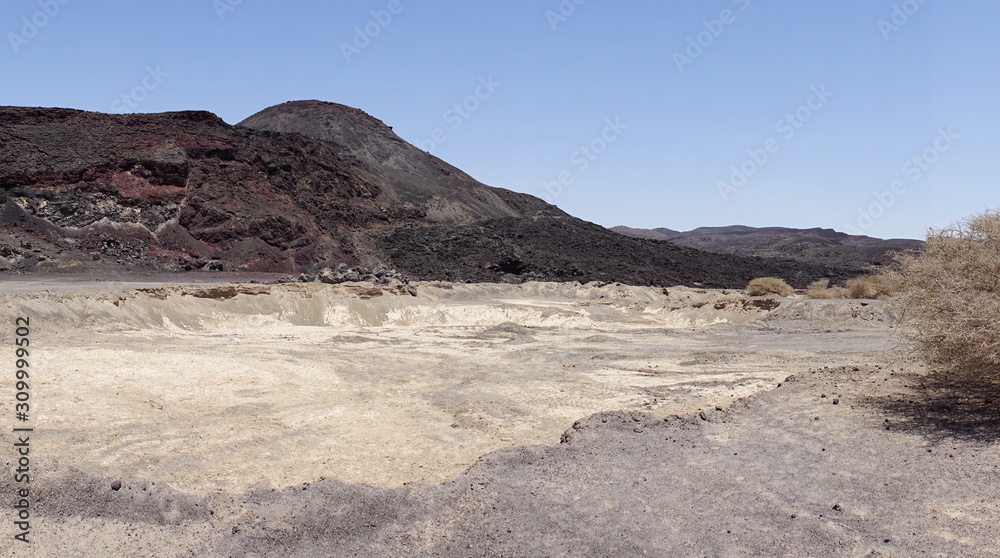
(815,245)
(413,184)
(296,187)
(185,190)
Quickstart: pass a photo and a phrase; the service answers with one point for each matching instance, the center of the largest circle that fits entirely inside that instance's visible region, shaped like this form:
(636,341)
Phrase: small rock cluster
(381,274)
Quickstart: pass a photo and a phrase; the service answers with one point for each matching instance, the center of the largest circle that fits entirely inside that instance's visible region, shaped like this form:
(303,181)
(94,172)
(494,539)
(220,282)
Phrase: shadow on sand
(945,406)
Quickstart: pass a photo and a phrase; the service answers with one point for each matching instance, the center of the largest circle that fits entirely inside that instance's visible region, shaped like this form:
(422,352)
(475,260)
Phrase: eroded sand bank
(210,388)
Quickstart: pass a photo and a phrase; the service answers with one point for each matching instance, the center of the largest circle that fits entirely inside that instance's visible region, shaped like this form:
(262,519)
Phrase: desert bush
(870,286)
(859,287)
(769,285)
(819,288)
(949,296)
(867,286)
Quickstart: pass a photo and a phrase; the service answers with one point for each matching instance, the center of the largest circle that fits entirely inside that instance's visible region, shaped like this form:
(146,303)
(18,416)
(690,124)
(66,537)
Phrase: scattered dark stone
(327,275)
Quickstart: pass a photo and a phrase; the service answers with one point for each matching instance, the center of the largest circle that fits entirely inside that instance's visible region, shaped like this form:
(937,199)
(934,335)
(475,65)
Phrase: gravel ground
(492,420)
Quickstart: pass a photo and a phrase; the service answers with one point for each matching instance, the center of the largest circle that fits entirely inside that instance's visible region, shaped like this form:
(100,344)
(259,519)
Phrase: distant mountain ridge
(818,245)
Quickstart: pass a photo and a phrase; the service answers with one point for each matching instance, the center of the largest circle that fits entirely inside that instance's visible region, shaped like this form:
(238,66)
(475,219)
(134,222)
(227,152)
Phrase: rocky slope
(566,249)
(183,191)
(413,184)
(298,187)
(816,245)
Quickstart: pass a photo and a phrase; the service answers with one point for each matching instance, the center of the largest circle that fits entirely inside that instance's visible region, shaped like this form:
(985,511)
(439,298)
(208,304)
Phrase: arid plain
(209,403)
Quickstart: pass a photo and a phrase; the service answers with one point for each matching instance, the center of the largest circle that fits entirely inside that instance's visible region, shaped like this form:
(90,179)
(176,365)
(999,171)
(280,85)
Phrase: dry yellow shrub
(769,285)
(950,296)
(819,288)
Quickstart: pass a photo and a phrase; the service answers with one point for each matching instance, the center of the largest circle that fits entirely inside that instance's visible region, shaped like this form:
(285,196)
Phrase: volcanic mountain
(816,245)
(294,188)
(412,184)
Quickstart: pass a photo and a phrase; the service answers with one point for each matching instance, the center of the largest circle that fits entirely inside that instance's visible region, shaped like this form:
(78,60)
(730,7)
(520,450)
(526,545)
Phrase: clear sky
(872,116)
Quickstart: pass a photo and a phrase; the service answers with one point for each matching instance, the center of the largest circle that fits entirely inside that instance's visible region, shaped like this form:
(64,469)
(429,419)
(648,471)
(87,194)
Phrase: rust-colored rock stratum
(298,187)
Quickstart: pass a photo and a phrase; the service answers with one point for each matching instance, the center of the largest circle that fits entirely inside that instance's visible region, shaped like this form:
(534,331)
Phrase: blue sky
(872,116)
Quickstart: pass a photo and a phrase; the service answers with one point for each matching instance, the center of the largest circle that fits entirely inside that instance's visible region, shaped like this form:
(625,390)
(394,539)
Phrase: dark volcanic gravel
(553,248)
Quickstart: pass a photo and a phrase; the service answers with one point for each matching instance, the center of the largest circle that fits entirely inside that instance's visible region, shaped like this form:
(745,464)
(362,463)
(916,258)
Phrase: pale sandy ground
(203,389)
(300,382)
